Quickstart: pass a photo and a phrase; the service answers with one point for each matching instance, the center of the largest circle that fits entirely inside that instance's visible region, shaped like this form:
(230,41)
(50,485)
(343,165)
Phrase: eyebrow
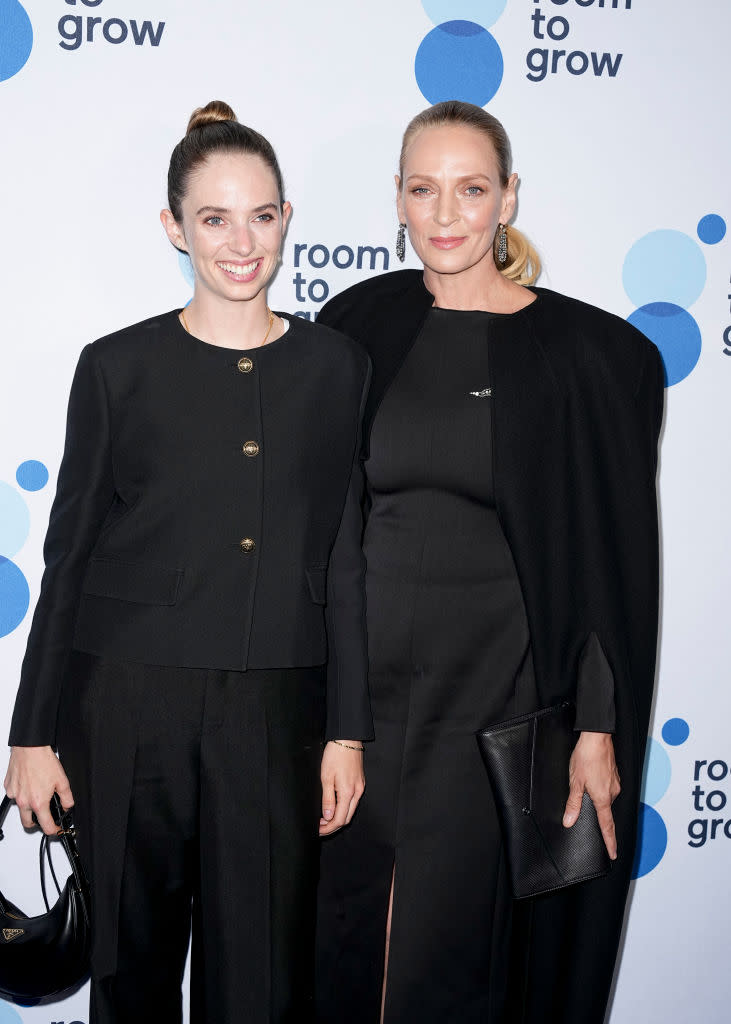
(462,177)
(223,209)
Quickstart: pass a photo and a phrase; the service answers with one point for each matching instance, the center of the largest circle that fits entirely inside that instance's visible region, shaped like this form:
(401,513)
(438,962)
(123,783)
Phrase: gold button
(245,365)
(247,545)
(251,448)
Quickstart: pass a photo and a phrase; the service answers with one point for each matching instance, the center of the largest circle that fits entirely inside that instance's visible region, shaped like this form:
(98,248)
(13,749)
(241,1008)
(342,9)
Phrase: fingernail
(328,814)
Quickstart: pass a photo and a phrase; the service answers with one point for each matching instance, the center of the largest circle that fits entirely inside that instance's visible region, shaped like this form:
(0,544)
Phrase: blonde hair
(523,264)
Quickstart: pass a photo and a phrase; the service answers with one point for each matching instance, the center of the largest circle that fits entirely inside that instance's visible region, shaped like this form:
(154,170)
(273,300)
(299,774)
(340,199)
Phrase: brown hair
(214,129)
(523,263)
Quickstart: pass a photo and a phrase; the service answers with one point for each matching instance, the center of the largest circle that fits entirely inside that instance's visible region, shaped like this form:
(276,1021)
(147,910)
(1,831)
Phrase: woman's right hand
(34,775)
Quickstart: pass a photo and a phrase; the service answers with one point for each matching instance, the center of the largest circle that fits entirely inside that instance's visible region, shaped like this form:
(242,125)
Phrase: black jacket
(207,515)
(577,407)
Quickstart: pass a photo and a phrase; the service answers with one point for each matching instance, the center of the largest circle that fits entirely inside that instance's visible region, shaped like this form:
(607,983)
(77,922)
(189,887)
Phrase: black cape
(578,404)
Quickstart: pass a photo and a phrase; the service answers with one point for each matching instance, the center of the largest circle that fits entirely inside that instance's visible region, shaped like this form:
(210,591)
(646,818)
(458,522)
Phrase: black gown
(449,652)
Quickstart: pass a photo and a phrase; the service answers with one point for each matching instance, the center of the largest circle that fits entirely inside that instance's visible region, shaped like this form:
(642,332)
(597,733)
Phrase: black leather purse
(41,956)
(527,761)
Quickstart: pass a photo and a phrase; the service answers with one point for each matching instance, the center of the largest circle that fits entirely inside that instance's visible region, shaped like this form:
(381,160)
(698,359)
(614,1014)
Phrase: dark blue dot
(652,841)
(675,333)
(31,475)
(675,731)
(711,228)
(17,38)
(459,60)
(14,596)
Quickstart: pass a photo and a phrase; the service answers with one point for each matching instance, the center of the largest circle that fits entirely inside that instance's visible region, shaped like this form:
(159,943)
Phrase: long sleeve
(84,494)
(348,705)
(595,697)
(595,709)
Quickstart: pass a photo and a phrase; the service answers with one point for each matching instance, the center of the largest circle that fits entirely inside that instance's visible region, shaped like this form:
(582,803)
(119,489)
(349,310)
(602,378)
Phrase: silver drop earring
(401,243)
(502,244)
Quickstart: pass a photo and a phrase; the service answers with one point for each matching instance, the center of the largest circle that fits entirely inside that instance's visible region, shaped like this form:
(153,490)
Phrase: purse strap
(5,806)
(67,836)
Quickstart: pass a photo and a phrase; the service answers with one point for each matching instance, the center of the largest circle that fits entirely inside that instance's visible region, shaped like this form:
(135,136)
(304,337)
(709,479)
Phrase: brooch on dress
(485,393)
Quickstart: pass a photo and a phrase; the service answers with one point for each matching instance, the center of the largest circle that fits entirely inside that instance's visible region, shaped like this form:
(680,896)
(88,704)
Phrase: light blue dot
(186,268)
(14,597)
(482,12)
(8,1015)
(656,774)
(16,38)
(675,731)
(664,266)
(652,841)
(31,475)
(14,520)
(711,228)
(675,333)
(459,60)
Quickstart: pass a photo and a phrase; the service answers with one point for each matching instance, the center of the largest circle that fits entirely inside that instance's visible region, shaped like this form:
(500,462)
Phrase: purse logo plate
(12,933)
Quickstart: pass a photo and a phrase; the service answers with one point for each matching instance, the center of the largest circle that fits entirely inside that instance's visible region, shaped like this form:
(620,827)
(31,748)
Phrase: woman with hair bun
(200,630)
(511,544)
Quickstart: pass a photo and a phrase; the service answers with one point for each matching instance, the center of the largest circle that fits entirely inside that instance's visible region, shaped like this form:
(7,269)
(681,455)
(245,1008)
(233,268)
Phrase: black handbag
(527,761)
(41,956)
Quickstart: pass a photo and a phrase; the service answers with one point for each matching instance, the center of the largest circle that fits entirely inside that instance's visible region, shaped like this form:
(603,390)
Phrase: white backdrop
(623,162)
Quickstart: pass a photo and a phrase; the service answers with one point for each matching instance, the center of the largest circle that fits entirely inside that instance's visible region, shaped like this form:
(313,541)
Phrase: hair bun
(216,110)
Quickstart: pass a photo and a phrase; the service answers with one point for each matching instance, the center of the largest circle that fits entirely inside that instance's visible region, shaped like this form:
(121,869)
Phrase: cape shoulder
(592,342)
(352,309)
(575,335)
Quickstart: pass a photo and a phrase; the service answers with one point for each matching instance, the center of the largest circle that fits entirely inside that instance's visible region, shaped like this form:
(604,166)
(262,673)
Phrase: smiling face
(231,226)
(451,198)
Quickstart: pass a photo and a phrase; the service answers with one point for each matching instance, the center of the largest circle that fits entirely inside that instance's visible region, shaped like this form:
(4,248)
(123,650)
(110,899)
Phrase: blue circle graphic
(482,12)
(14,597)
(16,38)
(31,475)
(652,841)
(711,228)
(459,60)
(656,774)
(675,333)
(8,1015)
(675,731)
(664,266)
(14,520)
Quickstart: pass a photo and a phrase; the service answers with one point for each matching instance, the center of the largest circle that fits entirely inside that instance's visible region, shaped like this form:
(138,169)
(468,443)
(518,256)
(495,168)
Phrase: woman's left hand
(343,783)
(593,769)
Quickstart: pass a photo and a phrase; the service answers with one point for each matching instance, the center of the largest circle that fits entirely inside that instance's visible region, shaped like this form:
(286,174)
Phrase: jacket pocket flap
(132,581)
(317,582)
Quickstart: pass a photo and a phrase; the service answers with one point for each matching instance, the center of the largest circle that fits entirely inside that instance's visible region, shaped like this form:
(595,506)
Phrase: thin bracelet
(348,746)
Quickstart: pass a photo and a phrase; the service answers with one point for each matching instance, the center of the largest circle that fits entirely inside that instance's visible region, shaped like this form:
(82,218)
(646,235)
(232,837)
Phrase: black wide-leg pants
(197,800)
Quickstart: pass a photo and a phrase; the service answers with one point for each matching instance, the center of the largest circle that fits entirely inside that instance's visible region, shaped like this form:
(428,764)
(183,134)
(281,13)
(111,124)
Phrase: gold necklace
(184,322)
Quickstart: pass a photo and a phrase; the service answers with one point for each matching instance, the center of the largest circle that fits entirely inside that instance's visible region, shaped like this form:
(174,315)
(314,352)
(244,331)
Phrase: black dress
(577,406)
(449,652)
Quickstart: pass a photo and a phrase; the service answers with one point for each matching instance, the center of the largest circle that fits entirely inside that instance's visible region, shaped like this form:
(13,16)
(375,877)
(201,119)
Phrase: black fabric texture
(577,400)
(144,561)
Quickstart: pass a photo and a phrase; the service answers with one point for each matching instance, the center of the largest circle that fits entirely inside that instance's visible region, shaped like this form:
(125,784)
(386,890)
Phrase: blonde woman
(511,545)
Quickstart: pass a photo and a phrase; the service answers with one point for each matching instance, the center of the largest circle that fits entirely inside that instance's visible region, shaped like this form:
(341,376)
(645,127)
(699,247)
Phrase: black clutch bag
(527,761)
(41,956)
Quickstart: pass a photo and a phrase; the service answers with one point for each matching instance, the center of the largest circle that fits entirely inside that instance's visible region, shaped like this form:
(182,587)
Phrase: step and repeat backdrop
(615,111)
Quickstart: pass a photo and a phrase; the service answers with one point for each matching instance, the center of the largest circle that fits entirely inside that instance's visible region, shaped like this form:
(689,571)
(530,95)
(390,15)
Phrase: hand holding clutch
(593,770)
(527,759)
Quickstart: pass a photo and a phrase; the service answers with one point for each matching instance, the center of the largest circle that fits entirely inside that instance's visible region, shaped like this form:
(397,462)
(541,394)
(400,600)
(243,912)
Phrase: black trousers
(197,800)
